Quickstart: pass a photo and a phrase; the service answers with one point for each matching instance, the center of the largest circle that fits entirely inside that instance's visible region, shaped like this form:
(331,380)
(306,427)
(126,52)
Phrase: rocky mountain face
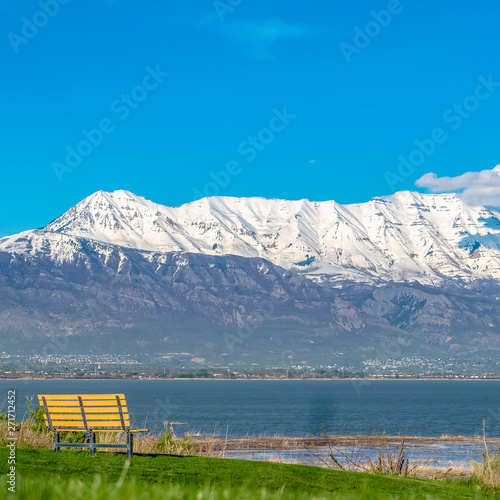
(255,280)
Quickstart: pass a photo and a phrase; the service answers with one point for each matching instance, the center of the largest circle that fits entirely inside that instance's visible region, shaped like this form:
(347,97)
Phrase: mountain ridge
(405,237)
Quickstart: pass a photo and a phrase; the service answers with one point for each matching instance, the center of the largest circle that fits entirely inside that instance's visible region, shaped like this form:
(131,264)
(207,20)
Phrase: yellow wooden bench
(89,413)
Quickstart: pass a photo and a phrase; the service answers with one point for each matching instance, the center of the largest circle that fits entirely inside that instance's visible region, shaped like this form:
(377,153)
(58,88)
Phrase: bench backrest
(85,412)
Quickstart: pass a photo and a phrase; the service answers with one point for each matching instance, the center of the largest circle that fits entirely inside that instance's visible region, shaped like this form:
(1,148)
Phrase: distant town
(186,365)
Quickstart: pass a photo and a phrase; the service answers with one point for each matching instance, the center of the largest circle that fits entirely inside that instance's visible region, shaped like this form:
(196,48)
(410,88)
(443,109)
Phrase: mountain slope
(224,309)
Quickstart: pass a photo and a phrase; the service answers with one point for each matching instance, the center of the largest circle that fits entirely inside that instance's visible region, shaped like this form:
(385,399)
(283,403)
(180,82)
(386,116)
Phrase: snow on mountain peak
(403,237)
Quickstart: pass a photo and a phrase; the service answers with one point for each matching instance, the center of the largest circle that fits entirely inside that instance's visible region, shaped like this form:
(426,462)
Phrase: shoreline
(368,379)
(283,443)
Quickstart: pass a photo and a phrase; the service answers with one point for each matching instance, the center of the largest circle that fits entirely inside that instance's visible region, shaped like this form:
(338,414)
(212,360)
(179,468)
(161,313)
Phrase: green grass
(131,490)
(44,474)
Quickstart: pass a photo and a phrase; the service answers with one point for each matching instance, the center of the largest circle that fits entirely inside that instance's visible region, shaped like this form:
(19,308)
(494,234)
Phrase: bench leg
(92,442)
(130,445)
(56,441)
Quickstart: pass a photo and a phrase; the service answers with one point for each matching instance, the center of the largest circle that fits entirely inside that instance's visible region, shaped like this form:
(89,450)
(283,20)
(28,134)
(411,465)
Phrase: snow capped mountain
(404,237)
(243,278)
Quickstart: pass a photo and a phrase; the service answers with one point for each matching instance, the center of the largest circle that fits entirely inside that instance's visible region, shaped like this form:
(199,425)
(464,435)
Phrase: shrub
(169,444)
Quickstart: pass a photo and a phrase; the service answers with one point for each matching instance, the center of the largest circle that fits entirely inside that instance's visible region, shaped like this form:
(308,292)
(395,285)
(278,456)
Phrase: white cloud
(475,188)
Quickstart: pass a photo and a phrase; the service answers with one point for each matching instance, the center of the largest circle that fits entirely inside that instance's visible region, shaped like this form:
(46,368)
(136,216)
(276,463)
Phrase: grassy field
(44,474)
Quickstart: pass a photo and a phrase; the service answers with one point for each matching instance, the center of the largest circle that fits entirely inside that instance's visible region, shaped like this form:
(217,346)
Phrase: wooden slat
(93,418)
(82,429)
(74,429)
(67,429)
(97,430)
(88,410)
(90,423)
(69,417)
(75,421)
(69,423)
(54,414)
(86,402)
(79,421)
(72,397)
(56,410)
(96,416)
(102,402)
(64,409)
(95,423)
(107,423)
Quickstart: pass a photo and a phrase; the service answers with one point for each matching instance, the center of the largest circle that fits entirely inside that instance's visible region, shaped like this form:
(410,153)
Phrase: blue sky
(319,100)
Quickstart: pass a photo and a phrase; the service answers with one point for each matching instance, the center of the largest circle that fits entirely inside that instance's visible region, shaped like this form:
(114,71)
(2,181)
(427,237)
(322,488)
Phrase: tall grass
(32,431)
(171,445)
(488,471)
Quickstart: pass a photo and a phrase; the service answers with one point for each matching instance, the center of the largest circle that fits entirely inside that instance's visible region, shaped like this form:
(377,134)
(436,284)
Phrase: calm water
(296,408)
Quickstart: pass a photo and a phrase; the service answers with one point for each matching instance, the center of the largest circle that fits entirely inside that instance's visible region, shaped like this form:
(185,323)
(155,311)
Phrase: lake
(295,407)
